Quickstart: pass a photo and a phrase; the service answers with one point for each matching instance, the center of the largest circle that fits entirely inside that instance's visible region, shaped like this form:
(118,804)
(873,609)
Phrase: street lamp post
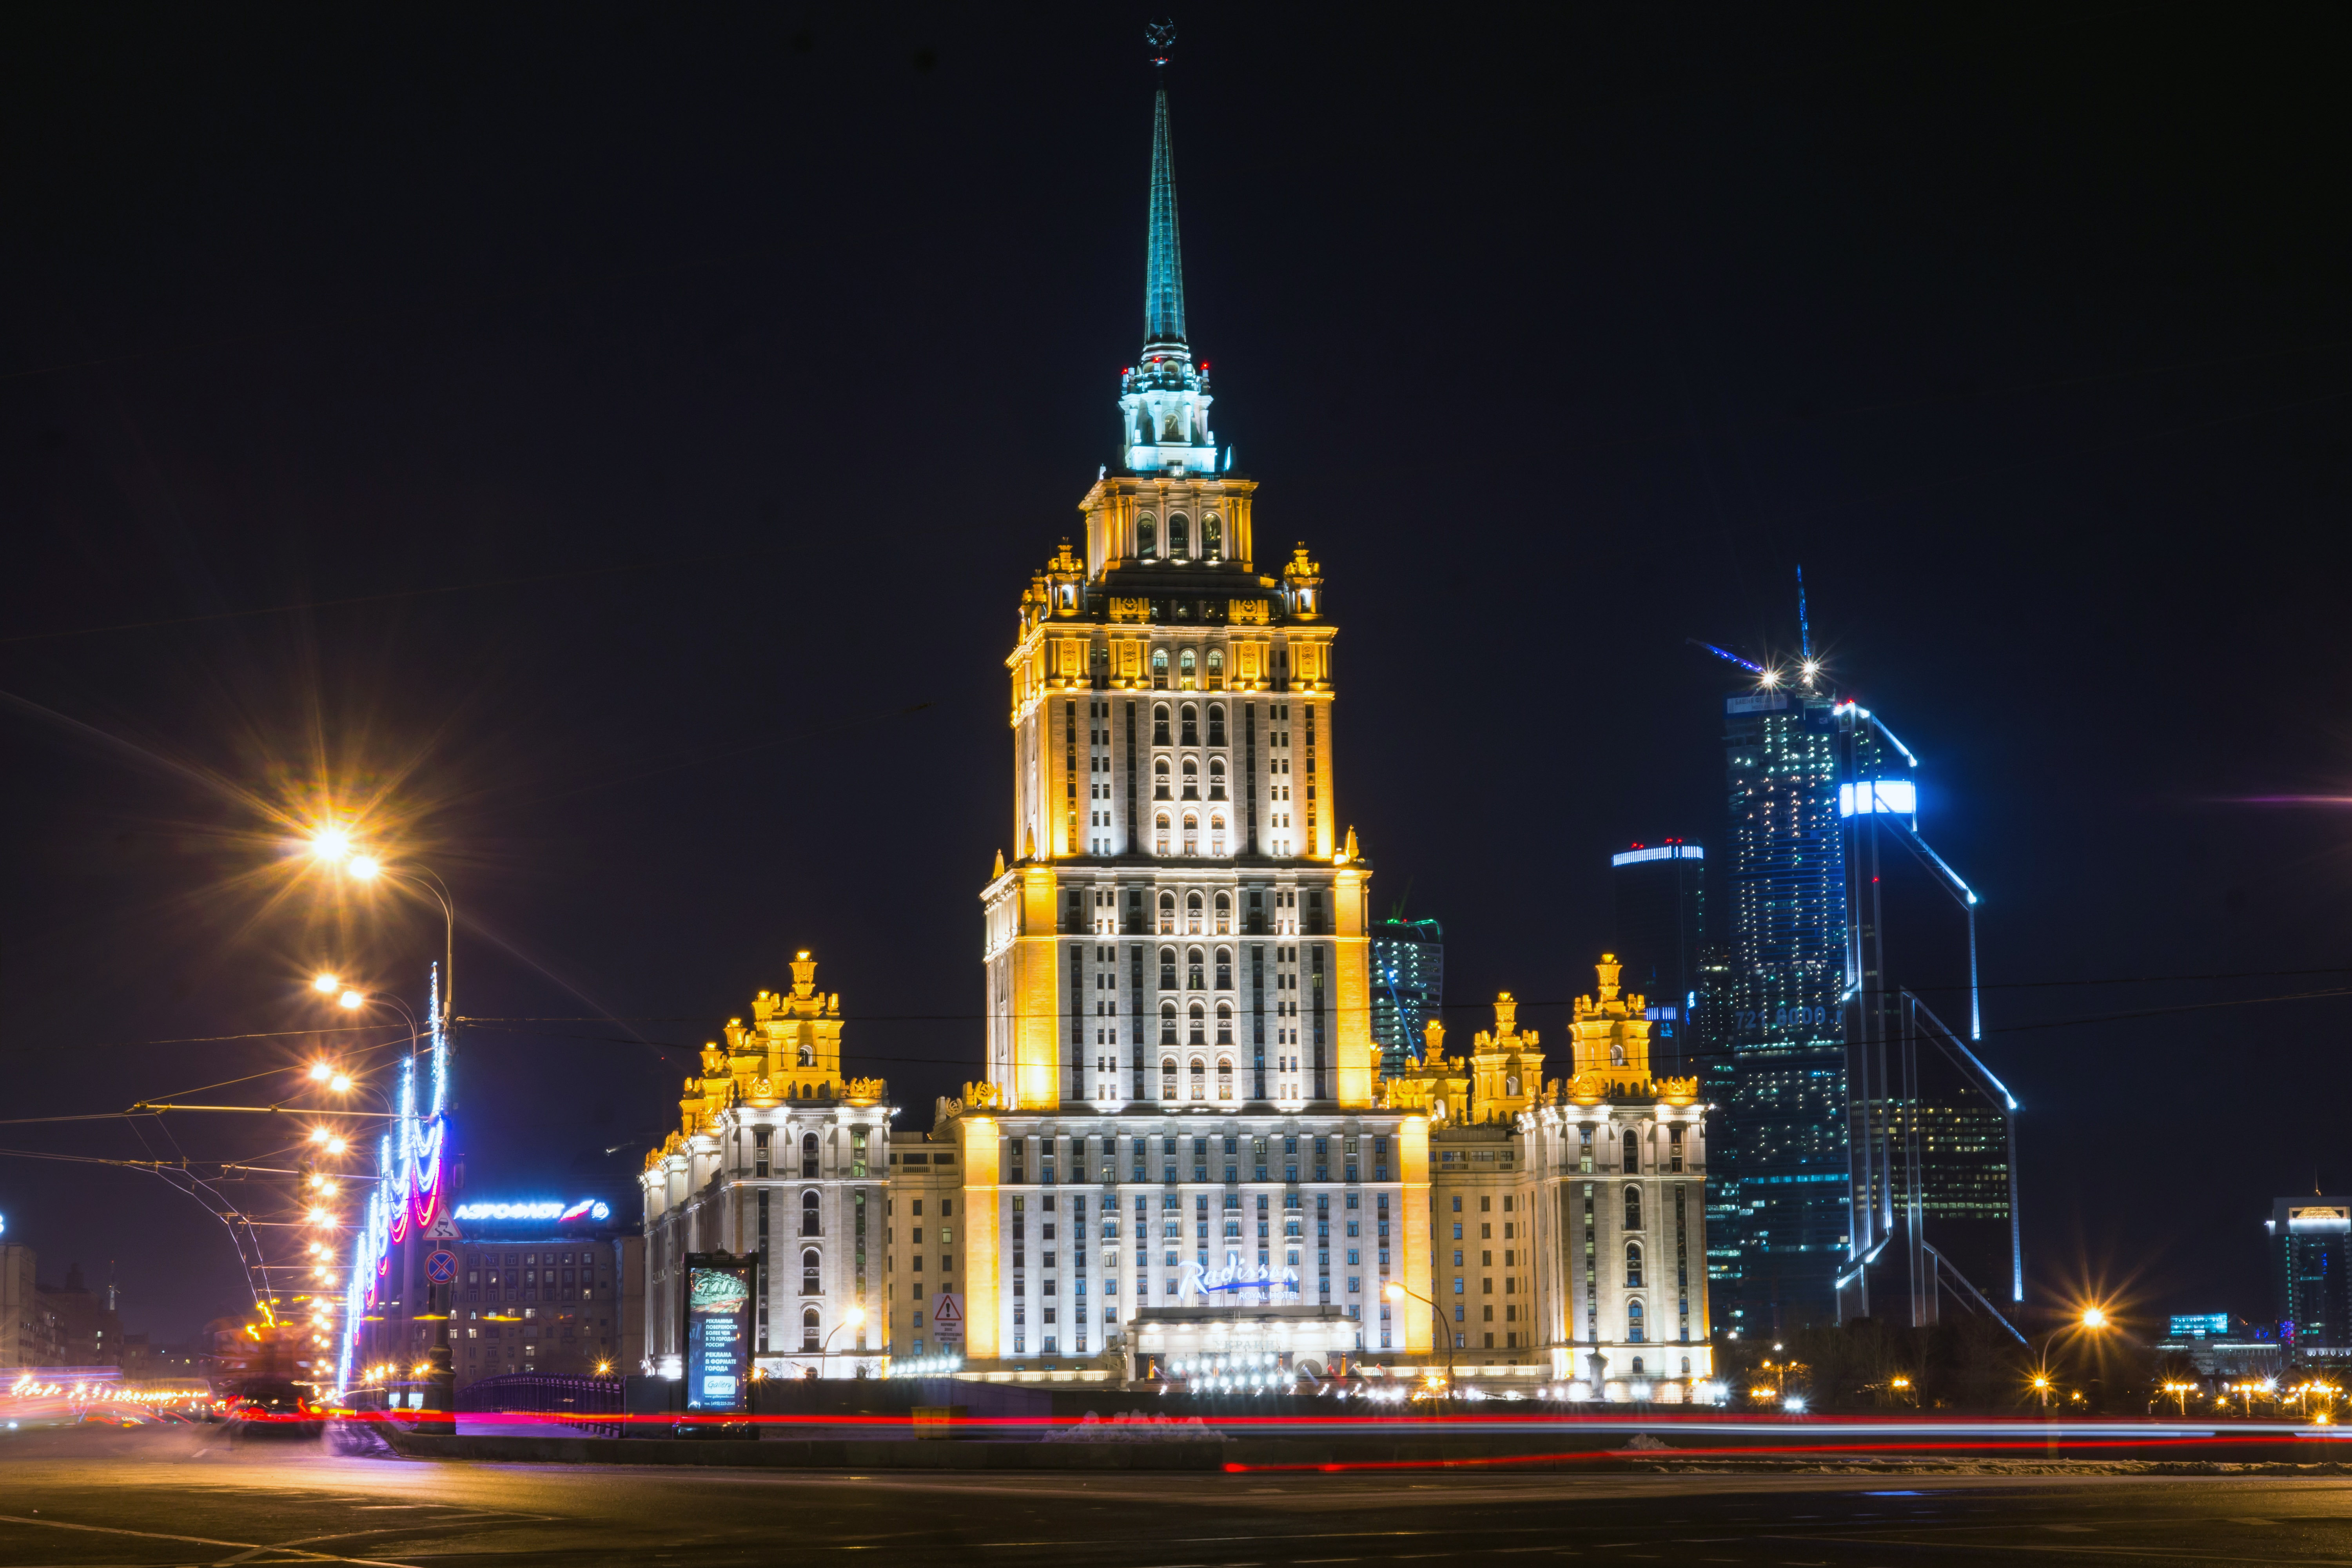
(849,1320)
(334,848)
(1396,1292)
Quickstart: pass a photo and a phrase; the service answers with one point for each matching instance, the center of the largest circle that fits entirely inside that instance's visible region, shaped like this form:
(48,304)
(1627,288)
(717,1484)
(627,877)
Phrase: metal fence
(591,1405)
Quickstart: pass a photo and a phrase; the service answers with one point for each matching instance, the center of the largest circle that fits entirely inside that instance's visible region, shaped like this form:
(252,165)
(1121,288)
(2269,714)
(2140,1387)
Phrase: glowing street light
(2095,1318)
(331,847)
(350,1001)
(850,1319)
(324,983)
(1396,1292)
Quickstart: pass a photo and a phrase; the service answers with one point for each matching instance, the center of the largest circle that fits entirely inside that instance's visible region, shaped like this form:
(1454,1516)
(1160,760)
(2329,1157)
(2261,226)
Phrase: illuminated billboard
(718,1320)
(587,1211)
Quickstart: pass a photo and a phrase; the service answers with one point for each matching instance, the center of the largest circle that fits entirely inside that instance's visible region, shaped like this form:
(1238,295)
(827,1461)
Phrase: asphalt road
(92,1497)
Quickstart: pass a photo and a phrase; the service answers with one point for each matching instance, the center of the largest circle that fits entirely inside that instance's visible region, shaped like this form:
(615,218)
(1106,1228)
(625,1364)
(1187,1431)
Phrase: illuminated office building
(1659,894)
(1786,881)
(2310,1246)
(549,1287)
(1408,987)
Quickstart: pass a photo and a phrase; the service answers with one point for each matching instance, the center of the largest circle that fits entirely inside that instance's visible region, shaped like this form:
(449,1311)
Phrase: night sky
(655,413)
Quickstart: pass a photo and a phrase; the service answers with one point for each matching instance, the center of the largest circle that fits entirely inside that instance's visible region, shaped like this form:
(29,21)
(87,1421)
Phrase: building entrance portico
(1238,1349)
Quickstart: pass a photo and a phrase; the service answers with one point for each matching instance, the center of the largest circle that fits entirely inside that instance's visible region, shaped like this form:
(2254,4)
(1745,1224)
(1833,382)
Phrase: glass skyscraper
(2311,1243)
(1660,894)
(1408,988)
(1788,983)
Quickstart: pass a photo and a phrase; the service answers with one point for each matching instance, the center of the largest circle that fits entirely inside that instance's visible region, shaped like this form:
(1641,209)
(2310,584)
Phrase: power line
(973,1061)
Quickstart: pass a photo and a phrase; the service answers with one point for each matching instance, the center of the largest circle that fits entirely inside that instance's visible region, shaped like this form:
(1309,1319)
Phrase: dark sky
(685,395)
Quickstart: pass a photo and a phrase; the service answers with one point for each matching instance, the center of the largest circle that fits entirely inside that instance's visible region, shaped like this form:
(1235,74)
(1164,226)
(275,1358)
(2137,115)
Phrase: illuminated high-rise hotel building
(1177,965)
(1179,1162)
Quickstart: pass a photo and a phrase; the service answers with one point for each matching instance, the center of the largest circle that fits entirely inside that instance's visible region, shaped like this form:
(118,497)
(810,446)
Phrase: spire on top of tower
(1164,275)
(1164,401)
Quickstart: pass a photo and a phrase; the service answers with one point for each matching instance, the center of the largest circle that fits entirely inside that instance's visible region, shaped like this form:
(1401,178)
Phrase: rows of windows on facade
(549,1306)
(1196,785)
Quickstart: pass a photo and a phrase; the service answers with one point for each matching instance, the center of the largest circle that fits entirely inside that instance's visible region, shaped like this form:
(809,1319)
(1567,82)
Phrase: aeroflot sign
(562,1214)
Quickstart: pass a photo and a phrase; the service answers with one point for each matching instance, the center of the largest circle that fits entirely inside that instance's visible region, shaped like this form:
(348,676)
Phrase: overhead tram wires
(294,1185)
(507,1026)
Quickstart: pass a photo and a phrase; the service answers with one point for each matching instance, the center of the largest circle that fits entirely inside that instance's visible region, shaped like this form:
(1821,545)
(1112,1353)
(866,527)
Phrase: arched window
(1168,1064)
(1192,966)
(1192,913)
(1160,710)
(1632,1153)
(1634,1325)
(812,1336)
(1686,1367)
(1217,834)
(1192,833)
(1199,1033)
(1167,969)
(1217,709)
(1162,848)
(1224,969)
(1226,1077)
(1192,778)
(1180,537)
(1199,1079)
(1225,913)
(1160,669)
(1216,778)
(1224,1023)
(1213,539)
(808,1153)
(1617,1053)
(807,1054)
(1159,790)
(1189,715)
(1633,1265)
(1632,1206)
(808,1214)
(1167,900)
(1146,535)
(1184,680)
(809,1274)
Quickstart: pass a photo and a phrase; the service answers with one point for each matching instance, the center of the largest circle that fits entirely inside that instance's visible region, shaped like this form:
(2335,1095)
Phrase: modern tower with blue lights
(1863,1129)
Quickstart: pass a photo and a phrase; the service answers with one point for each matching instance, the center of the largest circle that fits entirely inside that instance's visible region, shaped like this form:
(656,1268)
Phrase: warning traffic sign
(947,1319)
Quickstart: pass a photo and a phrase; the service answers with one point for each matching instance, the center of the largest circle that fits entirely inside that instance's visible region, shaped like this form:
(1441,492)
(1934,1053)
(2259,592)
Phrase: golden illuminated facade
(1613,1168)
(1179,1110)
(780,1156)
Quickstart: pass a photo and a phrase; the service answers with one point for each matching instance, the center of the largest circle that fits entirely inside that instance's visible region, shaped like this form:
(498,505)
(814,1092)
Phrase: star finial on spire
(1159,38)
